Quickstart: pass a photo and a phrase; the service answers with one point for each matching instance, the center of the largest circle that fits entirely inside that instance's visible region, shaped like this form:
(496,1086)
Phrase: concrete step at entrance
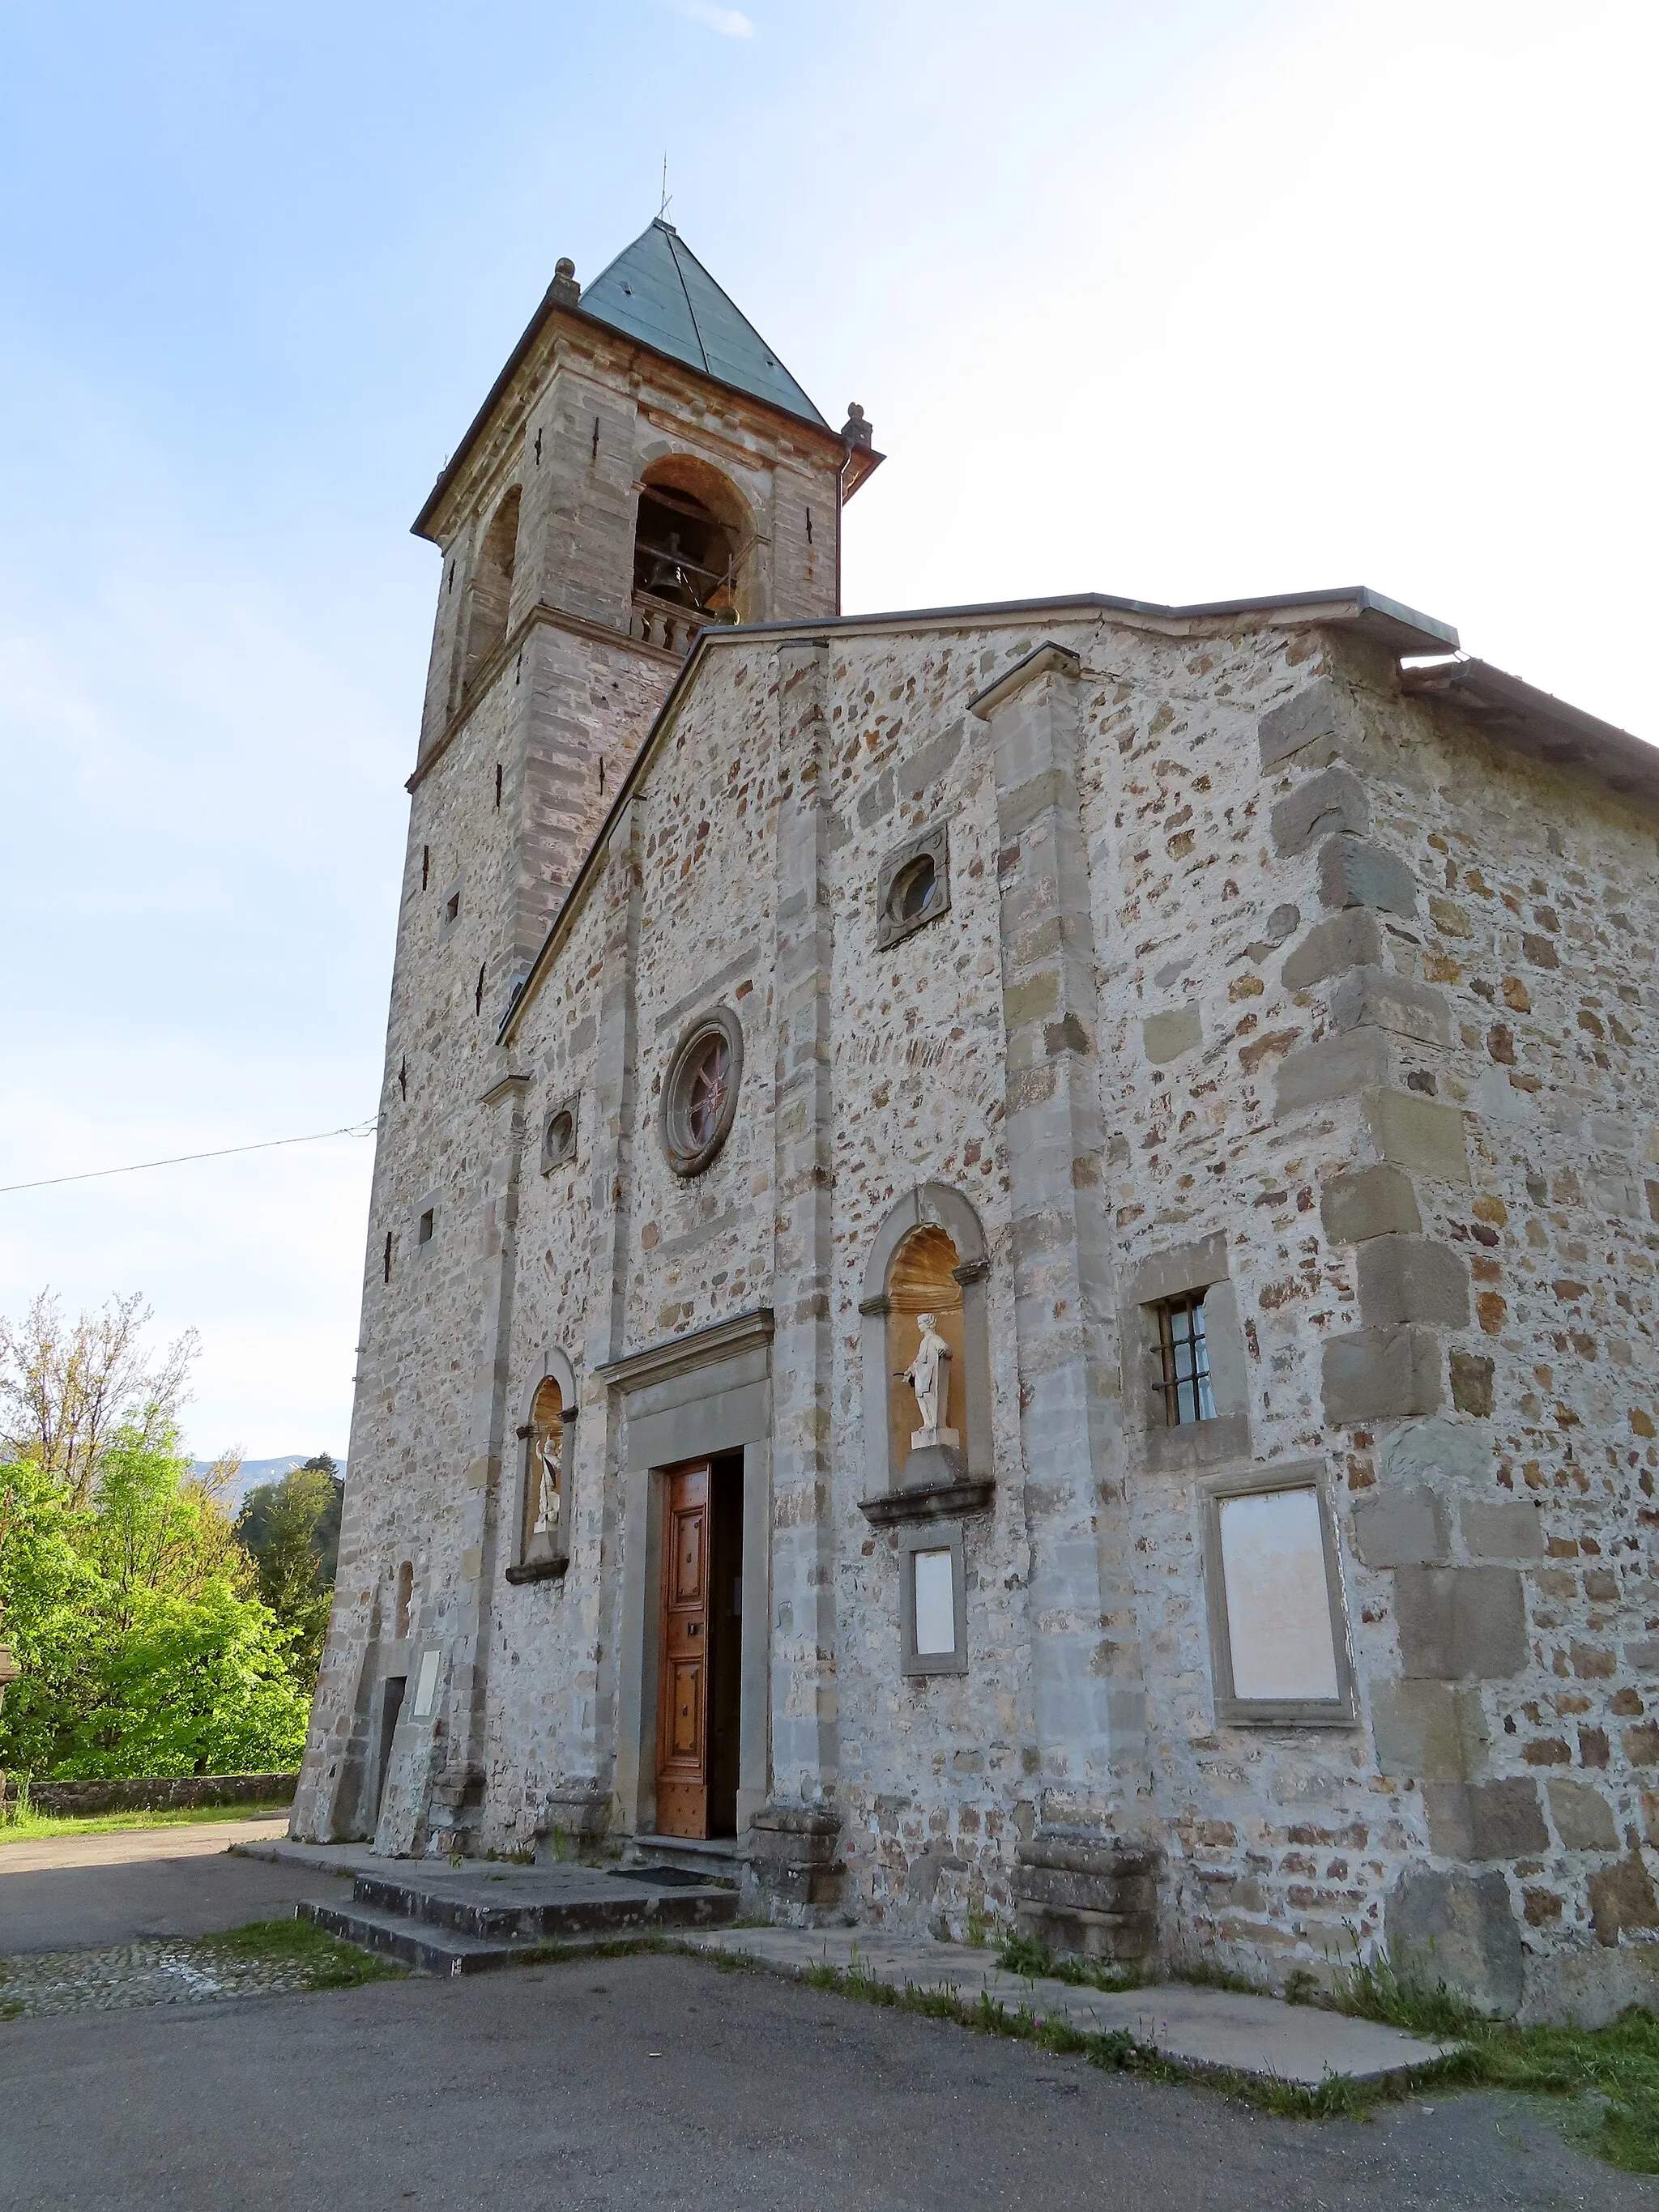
(518,1913)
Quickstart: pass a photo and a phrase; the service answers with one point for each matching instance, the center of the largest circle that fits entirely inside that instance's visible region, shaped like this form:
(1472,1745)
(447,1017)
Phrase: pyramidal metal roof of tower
(658,291)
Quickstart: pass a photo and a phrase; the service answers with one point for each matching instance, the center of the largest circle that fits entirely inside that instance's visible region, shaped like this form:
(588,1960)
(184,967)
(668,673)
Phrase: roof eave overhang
(552,311)
(1539,726)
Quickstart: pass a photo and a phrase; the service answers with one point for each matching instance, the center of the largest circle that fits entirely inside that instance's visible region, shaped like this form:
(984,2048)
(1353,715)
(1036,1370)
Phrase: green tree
(135,1617)
(291,1528)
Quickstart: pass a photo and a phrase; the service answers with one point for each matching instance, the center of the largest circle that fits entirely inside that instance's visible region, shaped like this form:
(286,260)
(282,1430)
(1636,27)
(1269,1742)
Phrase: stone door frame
(706,1396)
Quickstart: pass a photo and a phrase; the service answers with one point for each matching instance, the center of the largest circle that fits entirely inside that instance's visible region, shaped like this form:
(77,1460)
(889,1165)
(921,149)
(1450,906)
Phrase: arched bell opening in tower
(691,546)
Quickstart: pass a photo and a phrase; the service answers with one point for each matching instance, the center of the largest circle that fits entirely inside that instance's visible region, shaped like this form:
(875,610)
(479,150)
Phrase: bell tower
(644,466)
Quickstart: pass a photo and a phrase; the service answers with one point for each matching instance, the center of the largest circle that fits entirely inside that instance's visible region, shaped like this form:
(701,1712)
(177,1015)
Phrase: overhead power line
(182,1159)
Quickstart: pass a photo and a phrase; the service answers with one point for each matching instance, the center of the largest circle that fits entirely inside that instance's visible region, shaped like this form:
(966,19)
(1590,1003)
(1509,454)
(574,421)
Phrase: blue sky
(1178,302)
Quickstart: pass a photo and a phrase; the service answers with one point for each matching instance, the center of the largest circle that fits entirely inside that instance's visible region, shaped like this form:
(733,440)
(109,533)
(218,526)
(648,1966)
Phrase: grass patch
(1032,1960)
(23,1826)
(327,1963)
(1614,2069)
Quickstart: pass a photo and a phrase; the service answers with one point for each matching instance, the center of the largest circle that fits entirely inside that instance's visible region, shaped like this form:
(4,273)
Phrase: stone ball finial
(564,286)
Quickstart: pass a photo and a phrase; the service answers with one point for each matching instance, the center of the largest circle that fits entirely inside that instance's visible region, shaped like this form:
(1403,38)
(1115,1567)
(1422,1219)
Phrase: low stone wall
(156,1793)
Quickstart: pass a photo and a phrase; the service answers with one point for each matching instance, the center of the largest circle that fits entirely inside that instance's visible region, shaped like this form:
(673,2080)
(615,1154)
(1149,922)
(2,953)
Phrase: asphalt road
(80,1893)
(634,2084)
(640,2084)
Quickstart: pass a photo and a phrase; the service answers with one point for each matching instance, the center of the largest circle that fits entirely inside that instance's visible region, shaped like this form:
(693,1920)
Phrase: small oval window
(560,1134)
(914,890)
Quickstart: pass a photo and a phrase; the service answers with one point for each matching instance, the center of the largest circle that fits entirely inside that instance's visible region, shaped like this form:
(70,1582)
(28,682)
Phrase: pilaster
(459,1781)
(1089,1701)
(612,1746)
(805,1732)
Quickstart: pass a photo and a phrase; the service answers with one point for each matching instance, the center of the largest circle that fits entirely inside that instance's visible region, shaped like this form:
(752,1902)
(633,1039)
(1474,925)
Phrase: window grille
(1185,1355)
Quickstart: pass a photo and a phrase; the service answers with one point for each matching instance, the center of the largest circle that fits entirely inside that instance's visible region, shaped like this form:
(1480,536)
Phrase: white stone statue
(929,1376)
(547,1482)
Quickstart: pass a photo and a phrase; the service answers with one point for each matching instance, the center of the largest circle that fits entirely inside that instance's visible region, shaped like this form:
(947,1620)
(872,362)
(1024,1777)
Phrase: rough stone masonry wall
(544,1723)
(507,862)
(509,791)
(1524,1596)
(1277,1841)
(936,1770)
(1457,1191)
(408,1422)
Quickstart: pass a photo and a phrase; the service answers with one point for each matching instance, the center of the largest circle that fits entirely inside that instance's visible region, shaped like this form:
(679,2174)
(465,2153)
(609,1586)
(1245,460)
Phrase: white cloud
(730,22)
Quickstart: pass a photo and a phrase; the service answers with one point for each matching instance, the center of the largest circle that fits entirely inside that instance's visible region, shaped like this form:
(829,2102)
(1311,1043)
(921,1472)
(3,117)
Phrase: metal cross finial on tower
(663,210)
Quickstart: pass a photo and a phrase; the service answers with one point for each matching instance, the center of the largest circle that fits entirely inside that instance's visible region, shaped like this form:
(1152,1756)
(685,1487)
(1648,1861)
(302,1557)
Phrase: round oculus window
(562,1135)
(700,1094)
(915,890)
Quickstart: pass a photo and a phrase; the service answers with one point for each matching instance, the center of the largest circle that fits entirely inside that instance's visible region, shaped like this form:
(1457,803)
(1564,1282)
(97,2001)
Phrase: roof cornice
(1399,626)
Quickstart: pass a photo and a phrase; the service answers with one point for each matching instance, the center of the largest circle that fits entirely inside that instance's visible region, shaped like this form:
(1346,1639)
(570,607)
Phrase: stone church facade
(1233,1024)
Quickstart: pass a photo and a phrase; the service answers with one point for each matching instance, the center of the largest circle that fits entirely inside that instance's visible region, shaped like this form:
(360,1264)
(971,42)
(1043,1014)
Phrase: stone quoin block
(1352,939)
(1410,1131)
(1354,873)
(1336,1067)
(1438,1453)
(1503,1528)
(1460,1928)
(1380,1375)
(1505,1821)
(1376,1201)
(1412,1279)
(1428,1731)
(1460,1623)
(1334,800)
(1320,714)
(1371,998)
(1403,1528)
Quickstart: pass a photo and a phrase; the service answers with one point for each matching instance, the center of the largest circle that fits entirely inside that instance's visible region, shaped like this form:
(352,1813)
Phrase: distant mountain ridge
(253,1472)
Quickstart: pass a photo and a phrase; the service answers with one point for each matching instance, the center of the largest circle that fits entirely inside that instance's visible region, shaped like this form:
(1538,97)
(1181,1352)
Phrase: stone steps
(414,1942)
(467,1924)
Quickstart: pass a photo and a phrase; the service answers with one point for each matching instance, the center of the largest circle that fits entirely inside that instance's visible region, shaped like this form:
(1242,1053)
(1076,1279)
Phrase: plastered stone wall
(1297,987)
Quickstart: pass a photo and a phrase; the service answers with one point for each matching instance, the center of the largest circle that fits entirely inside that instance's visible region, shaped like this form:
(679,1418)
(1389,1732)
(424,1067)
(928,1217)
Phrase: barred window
(1186,1360)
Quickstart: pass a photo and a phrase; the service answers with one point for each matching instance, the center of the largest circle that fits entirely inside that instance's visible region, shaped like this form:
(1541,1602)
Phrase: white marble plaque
(1279,1607)
(936,1606)
(426,1686)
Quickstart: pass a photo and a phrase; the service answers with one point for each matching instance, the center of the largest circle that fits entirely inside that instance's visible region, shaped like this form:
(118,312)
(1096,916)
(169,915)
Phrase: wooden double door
(699,1678)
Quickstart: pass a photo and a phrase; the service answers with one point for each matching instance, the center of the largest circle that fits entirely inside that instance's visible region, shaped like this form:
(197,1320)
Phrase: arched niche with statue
(926,1341)
(546,1462)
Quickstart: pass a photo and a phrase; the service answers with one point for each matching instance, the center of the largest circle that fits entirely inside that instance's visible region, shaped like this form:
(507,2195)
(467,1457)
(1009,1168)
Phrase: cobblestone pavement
(99,1893)
(157,1973)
